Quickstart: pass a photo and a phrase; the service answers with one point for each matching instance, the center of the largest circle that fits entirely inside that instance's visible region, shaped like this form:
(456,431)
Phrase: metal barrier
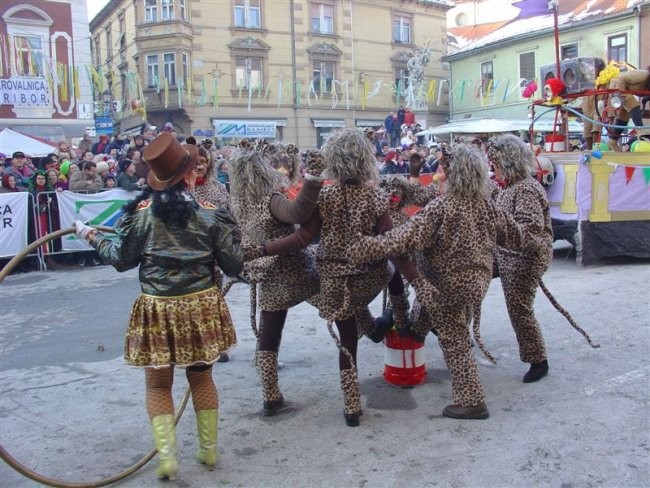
(48,221)
(32,231)
(42,219)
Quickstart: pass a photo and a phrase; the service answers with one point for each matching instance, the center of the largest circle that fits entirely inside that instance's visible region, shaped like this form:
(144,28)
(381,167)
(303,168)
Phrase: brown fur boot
(351,397)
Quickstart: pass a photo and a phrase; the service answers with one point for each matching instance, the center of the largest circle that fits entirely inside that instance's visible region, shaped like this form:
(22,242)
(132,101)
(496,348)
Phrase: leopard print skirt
(181,330)
(342,297)
(290,281)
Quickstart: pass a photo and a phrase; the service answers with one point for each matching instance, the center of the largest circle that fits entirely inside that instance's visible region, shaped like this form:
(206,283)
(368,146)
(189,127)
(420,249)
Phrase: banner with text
(13,223)
(95,208)
(25,92)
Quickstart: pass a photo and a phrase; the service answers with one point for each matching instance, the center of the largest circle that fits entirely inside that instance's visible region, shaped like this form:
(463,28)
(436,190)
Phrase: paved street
(70,409)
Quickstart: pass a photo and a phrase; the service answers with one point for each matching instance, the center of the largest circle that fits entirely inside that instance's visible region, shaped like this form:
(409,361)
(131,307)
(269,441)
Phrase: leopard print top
(258,226)
(526,201)
(346,211)
(214,192)
(458,238)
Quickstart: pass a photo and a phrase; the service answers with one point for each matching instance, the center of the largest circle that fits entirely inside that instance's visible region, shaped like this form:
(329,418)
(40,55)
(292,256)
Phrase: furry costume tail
(476,319)
(566,314)
(341,347)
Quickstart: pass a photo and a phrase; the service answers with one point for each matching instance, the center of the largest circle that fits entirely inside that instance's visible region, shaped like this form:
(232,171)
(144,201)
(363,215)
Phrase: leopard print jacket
(457,238)
(347,211)
(259,225)
(214,192)
(526,201)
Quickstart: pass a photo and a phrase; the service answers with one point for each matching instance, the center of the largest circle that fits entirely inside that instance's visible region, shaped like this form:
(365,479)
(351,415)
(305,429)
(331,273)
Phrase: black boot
(536,372)
(383,323)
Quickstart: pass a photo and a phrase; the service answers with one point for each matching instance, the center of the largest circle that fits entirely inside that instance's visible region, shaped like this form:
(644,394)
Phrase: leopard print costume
(284,281)
(345,288)
(520,272)
(457,237)
(214,192)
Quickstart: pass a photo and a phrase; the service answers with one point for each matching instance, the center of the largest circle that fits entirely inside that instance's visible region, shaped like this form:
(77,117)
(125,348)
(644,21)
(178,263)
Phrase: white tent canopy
(491,125)
(11,141)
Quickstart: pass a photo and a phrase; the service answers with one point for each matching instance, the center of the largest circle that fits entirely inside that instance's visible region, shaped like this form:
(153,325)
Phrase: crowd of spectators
(115,162)
(397,141)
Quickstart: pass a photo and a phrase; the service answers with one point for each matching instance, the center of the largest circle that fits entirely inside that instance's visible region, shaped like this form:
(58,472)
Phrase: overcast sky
(94,6)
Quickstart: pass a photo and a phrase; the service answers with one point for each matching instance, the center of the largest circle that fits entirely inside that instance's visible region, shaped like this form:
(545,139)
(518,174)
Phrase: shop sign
(25,92)
(103,125)
(245,128)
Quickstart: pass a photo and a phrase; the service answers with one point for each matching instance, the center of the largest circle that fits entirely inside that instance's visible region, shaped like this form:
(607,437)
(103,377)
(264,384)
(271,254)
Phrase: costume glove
(315,164)
(83,230)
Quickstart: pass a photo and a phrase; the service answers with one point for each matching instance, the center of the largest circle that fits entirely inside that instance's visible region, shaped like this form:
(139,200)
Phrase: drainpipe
(294,76)
(354,73)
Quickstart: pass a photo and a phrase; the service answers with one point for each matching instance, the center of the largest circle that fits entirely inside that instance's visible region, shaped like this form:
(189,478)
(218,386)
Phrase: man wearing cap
(20,170)
(128,179)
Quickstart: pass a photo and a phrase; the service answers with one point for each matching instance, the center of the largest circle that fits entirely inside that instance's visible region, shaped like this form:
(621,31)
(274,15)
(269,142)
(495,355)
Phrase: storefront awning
(328,122)
(369,123)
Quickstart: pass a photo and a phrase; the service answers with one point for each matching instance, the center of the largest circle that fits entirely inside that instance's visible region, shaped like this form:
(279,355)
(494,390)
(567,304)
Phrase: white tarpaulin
(13,223)
(12,141)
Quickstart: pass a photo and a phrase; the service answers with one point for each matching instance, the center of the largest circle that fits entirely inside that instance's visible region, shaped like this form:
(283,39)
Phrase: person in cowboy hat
(176,242)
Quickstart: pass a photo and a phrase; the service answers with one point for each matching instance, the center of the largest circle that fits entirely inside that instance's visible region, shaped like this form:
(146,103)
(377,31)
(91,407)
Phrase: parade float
(599,199)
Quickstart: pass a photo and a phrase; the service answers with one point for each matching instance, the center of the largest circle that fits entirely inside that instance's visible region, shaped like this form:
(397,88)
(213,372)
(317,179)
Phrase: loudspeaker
(578,74)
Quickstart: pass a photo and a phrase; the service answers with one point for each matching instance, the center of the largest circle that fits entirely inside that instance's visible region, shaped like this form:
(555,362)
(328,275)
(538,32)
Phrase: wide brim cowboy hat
(169,161)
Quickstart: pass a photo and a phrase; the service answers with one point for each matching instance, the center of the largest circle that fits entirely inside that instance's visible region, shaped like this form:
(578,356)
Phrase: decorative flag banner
(298,93)
(267,92)
(629,172)
(14,215)
(312,89)
(64,84)
(364,96)
(505,92)
(431,91)
(646,176)
(442,82)
(102,208)
(375,89)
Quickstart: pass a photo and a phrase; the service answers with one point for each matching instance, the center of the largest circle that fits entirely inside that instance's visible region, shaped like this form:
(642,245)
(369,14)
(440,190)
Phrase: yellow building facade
(290,69)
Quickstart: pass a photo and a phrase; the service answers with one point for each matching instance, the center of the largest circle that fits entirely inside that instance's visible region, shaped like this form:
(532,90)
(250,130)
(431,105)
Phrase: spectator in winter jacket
(20,170)
(100,146)
(86,179)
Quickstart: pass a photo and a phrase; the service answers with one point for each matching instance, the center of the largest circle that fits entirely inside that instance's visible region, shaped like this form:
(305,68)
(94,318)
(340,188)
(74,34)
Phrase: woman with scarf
(207,187)
(180,318)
